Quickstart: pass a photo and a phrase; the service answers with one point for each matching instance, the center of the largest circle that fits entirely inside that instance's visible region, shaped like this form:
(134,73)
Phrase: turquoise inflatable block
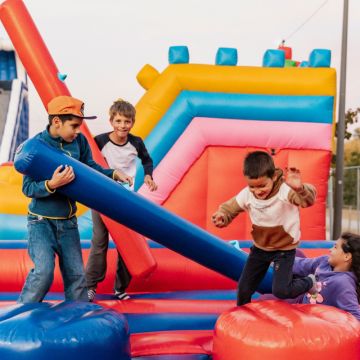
(274,58)
(178,55)
(320,58)
(61,77)
(226,56)
(304,64)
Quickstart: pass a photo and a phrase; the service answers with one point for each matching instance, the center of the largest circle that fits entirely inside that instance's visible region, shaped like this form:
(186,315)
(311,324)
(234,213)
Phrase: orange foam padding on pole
(172,342)
(278,330)
(218,175)
(31,50)
(43,73)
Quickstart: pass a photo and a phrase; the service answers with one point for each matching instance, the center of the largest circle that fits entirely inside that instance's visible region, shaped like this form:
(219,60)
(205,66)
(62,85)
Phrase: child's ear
(56,121)
(348,257)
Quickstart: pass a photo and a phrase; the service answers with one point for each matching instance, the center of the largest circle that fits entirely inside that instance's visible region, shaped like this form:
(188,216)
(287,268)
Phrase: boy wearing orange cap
(52,223)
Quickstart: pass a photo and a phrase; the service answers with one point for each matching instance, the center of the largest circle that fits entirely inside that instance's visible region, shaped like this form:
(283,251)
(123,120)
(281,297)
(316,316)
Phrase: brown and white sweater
(275,220)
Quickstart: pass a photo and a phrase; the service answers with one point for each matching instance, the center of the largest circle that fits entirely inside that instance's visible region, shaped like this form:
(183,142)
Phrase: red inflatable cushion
(278,330)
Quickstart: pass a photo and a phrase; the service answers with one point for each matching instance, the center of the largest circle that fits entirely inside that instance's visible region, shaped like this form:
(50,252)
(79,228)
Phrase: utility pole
(339,171)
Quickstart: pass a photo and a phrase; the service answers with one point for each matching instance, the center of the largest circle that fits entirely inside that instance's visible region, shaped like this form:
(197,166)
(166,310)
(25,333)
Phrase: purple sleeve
(347,300)
(306,266)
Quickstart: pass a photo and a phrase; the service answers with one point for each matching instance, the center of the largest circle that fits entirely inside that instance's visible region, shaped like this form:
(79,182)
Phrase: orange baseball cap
(67,105)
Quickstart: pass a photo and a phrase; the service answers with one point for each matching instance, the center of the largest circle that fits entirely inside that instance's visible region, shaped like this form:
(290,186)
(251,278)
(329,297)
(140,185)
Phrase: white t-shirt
(123,157)
(276,211)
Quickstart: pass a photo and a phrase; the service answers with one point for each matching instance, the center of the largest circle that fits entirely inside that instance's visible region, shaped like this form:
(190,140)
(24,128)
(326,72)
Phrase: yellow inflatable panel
(147,76)
(13,201)
(227,79)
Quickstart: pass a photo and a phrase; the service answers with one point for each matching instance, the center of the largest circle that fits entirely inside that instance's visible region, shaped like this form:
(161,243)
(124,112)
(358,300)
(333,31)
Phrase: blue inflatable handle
(93,189)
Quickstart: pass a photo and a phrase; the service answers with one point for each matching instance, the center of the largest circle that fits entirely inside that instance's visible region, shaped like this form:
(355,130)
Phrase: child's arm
(122,177)
(148,180)
(302,195)
(147,164)
(38,189)
(145,158)
(307,266)
(86,158)
(226,213)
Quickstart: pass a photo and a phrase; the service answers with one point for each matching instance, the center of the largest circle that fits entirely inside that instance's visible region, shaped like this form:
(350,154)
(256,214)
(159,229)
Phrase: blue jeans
(48,237)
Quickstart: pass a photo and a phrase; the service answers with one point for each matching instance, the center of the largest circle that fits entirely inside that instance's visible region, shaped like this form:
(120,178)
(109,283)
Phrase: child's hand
(61,178)
(218,219)
(293,178)
(150,183)
(122,177)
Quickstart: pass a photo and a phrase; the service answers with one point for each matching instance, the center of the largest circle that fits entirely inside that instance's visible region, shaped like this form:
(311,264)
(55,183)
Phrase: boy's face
(68,129)
(260,187)
(121,125)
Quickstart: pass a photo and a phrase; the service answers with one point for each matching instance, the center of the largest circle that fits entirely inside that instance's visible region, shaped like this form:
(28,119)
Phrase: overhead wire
(305,22)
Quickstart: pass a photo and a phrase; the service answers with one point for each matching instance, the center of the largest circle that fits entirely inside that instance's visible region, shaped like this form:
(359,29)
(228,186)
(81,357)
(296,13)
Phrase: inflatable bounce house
(198,122)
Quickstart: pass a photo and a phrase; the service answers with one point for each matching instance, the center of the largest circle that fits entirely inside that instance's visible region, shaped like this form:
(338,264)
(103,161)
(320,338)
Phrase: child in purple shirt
(337,275)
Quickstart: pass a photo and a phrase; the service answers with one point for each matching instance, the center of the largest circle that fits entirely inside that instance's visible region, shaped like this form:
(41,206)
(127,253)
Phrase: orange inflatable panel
(172,342)
(199,194)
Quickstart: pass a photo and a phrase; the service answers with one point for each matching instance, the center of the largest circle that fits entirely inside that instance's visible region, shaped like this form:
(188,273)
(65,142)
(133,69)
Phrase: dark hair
(122,107)
(258,164)
(351,244)
(63,118)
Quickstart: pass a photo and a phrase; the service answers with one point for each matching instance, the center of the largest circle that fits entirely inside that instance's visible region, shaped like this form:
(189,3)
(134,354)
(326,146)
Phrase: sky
(101,45)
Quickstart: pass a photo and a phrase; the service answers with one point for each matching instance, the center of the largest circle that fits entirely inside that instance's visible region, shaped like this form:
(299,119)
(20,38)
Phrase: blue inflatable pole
(38,160)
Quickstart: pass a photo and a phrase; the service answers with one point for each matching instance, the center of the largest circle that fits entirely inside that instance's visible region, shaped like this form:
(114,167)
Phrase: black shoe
(122,295)
(91,294)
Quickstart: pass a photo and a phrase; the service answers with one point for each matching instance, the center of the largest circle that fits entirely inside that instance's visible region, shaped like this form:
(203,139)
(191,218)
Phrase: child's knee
(245,292)
(281,293)
(45,278)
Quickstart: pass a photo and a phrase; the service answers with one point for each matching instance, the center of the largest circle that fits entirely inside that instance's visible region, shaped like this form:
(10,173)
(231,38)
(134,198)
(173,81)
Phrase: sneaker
(91,294)
(313,290)
(122,295)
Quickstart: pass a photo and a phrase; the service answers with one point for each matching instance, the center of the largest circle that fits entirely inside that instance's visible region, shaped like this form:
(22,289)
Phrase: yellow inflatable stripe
(228,79)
